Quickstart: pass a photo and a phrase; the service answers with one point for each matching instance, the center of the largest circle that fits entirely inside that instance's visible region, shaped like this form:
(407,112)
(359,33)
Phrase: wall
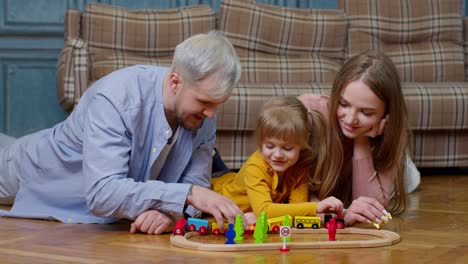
(30,42)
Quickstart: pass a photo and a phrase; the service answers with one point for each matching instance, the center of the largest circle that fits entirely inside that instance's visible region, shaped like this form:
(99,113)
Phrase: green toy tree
(287,222)
(239,228)
(258,232)
(263,219)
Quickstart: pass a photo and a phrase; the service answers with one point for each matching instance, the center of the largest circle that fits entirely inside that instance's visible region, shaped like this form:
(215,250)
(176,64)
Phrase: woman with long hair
(367,140)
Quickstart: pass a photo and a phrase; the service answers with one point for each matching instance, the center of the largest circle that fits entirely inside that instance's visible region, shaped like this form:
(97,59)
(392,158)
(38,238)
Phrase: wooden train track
(379,238)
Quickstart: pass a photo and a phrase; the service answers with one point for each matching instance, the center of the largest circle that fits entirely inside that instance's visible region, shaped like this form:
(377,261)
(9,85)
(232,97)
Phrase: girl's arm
(259,186)
(367,181)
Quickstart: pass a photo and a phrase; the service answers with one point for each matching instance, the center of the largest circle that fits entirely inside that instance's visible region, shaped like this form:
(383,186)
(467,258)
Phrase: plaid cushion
(71,24)
(431,106)
(72,74)
(155,32)
(437,115)
(239,112)
(423,37)
(262,67)
(107,61)
(257,67)
(282,30)
(437,106)
(465,45)
(440,148)
(429,148)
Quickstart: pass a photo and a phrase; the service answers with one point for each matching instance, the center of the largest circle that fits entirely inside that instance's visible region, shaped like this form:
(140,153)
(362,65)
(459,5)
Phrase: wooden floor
(433,230)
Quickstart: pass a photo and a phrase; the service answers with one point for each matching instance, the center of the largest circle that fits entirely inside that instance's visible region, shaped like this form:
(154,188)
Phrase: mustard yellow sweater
(255,189)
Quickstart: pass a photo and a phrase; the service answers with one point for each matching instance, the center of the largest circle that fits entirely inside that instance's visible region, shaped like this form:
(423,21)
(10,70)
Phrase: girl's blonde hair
(378,72)
(286,118)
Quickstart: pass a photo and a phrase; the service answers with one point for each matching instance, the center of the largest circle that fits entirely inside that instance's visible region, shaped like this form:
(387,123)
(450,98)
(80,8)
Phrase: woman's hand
(378,129)
(365,210)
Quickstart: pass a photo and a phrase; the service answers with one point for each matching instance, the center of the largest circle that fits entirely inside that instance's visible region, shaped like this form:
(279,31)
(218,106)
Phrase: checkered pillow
(262,67)
(423,37)
(72,72)
(151,31)
(286,45)
(283,31)
(108,61)
(465,45)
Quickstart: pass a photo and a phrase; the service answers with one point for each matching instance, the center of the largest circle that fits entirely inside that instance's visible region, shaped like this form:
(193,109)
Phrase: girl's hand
(152,222)
(251,218)
(378,129)
(365,210)
(330,205)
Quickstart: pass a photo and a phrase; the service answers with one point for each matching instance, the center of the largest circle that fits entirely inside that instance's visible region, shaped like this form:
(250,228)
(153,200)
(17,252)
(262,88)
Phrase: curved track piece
(382,238)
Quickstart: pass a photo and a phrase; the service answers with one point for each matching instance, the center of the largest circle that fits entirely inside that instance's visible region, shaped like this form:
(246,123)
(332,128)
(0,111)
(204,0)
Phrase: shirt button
(168,133)
(154,149)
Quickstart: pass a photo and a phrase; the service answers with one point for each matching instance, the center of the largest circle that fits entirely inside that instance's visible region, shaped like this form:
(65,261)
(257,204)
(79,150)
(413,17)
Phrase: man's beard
(183,124)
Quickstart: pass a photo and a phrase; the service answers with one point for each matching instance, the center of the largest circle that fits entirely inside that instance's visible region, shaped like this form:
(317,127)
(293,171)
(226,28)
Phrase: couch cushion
(262,67)
(282,30)
(429,148)
(431,106)
(118,37)
(437,115)
(423,37)
(465,45)
(273,41)
(437,106)
(107,61)
(239,112)
(72,74)
(258,67)
(152,31)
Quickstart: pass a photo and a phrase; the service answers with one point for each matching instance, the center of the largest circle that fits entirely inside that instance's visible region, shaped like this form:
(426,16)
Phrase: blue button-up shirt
(94,167)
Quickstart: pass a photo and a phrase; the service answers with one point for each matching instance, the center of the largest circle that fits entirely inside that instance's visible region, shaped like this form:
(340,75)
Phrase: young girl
(275,178)
(367,140)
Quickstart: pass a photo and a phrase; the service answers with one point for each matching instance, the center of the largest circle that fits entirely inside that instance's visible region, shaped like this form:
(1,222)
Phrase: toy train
(191,225)
(274,224)
(301,222)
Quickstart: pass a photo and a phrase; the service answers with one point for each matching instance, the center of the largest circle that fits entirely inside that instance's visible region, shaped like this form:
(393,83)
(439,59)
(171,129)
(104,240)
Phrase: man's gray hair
(205,54)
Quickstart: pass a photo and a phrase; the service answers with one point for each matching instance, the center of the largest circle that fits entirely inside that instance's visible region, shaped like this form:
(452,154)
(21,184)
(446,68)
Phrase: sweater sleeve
(300,190)
(369,182)
(259,190)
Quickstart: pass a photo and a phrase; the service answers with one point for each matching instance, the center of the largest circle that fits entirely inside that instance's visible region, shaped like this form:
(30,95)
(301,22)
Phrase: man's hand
(152,222)
(365,210)
(215,204)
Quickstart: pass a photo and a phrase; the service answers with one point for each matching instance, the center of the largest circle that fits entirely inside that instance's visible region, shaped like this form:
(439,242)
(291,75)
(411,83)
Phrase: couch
(290,51)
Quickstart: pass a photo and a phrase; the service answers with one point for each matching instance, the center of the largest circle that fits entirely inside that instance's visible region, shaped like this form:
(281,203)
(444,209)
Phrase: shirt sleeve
(299,194)
(259,191)
(106,151)
(369,182)
(199,170)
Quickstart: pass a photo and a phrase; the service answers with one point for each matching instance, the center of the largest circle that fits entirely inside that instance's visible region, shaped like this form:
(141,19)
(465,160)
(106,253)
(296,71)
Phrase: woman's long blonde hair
(378,72)
(286,118)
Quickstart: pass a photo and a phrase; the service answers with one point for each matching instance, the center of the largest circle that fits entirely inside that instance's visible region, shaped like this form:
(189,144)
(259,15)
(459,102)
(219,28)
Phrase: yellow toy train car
(307,222)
